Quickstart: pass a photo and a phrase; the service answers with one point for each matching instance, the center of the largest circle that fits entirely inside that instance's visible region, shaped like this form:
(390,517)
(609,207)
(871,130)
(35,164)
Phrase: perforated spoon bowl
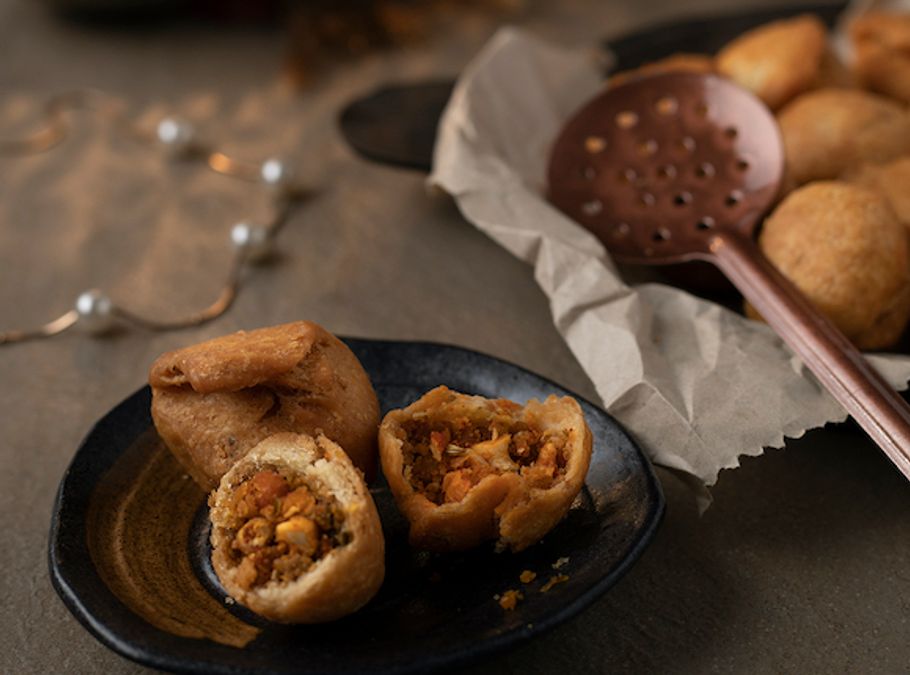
(680,167)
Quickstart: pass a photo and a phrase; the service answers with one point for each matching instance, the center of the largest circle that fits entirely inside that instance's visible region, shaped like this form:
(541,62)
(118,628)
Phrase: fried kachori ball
(891,180)
(881,51)
(843,247)
(681,62)
(833,72)
(777,60)
(829,131)
(213,401)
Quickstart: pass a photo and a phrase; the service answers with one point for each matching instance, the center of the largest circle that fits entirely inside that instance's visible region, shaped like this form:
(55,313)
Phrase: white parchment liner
(696,384)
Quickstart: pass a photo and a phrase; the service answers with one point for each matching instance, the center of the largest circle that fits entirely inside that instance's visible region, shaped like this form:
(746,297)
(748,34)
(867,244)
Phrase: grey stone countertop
(801,565)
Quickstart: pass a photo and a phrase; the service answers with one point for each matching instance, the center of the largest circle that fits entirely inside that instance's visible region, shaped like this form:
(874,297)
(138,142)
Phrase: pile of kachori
(839,231)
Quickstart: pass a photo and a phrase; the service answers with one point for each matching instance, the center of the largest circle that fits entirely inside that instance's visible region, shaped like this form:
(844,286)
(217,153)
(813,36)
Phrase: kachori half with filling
(466,469)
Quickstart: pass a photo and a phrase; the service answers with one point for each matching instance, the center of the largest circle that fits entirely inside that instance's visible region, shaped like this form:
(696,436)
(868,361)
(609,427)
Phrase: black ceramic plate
(396,124)
(432,611)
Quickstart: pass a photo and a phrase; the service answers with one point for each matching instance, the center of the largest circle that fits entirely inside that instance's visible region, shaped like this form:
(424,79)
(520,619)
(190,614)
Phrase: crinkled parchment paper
(696,384)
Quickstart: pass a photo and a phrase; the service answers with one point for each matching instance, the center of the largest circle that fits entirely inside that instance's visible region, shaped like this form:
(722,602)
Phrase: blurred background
(229,45)
(793,569)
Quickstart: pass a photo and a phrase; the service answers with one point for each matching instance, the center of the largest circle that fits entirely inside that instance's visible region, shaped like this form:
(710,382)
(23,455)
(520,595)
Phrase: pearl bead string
(94,312)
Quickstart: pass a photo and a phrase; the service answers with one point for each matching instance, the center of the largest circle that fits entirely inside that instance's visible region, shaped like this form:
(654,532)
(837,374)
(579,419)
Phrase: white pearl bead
(175,134)
(276,173)
(254,240)
(95,311)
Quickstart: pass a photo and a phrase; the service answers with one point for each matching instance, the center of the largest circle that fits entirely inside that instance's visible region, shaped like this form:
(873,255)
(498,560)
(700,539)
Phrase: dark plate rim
(77,582)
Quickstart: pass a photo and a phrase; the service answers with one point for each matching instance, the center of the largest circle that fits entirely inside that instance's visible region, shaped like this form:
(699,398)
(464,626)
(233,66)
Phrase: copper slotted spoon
(680,167)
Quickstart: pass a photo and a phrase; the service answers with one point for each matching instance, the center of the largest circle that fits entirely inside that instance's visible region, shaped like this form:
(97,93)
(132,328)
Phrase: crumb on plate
(555,579)
(509,599)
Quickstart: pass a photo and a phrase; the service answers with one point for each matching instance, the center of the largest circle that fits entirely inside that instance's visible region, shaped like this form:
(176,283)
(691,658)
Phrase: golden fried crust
(834,73)
(828,131)
(892,180)
(237,361)
(776,61)
(675,63)
(500,506)
(881,48)
(336,585)
(213,401)
(842,246)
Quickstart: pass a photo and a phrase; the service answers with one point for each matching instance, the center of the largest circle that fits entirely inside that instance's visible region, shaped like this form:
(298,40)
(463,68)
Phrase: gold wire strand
(50,329)
(55,131)
(38,142)
(286,203)
(55,128)
(222,304)
(228,166)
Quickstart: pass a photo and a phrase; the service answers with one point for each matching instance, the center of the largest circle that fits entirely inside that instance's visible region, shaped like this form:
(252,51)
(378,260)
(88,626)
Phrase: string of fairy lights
(93,311)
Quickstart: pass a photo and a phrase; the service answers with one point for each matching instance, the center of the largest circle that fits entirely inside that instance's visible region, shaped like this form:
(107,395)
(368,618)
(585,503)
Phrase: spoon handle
(837,364)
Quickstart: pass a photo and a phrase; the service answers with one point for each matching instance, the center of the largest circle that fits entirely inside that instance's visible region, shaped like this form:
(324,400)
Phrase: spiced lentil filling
(446,456)
(282,527)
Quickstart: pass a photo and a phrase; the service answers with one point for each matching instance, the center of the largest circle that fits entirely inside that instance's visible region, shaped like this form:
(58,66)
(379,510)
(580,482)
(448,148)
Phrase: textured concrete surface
(802,563)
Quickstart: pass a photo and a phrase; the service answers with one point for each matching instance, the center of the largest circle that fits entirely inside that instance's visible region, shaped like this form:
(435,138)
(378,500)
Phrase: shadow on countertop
(809,526)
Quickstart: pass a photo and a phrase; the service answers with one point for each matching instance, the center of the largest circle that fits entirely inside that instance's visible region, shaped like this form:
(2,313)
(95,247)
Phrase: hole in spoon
(666,105)
(647,148)
(705,170)
(687,144)
(742,164)
(592,208)
(647,199)
(626,119)
(734,198)
(621,230)
(595,144)
(706,223)
(682,198)
(666,171)
(660,235)
(627,175)
(731,132)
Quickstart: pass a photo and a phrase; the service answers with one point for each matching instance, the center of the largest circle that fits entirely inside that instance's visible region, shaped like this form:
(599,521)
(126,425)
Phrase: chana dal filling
(444,457)
(282,527)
